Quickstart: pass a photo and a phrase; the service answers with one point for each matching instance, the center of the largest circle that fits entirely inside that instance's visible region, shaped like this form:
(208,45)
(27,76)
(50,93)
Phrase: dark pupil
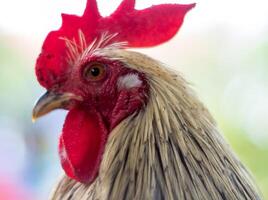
(95,71)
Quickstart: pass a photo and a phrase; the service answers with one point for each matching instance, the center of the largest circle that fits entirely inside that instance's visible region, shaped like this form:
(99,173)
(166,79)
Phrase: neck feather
(170,149)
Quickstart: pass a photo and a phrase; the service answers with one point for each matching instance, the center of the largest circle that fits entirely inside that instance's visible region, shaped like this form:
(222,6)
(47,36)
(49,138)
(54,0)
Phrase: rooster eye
(94,71)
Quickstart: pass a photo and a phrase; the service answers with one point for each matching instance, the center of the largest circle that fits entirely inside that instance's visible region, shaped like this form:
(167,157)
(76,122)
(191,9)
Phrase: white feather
(129,81)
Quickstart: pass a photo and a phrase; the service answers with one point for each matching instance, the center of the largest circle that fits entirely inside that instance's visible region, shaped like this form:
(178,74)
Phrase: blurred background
(222,49)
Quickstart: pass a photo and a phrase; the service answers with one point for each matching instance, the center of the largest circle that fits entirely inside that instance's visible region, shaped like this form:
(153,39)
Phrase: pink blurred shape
(13,190)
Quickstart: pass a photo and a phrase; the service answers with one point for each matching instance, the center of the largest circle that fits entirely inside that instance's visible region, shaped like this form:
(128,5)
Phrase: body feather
(170,149)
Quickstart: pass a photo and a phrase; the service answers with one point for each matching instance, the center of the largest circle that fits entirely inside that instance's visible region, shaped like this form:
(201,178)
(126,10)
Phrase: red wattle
(81,144)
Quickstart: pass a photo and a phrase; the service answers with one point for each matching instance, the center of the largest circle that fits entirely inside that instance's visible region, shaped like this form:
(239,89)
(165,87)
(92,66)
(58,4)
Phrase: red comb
(139,28)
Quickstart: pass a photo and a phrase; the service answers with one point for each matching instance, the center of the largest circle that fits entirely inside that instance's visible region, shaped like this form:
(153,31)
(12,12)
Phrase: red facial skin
(89,122)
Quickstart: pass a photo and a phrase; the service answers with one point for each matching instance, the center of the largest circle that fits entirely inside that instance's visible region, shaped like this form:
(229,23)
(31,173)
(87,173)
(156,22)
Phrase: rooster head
(98,91)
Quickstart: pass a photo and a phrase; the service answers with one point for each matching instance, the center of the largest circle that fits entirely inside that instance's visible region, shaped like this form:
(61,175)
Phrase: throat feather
(171,150)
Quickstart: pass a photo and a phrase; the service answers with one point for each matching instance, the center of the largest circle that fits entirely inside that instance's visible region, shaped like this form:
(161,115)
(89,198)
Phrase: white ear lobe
(129,81)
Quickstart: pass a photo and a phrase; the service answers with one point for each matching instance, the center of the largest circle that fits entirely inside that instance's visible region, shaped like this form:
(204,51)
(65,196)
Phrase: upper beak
(51,101)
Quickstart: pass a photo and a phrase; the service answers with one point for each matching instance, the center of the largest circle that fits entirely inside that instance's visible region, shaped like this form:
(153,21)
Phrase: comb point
(92,9)
(126,6)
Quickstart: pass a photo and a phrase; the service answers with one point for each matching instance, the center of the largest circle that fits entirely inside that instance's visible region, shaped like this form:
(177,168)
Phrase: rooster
(135,129)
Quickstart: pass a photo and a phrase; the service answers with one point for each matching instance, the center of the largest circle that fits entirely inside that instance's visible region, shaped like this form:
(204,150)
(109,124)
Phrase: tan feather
(170,149)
